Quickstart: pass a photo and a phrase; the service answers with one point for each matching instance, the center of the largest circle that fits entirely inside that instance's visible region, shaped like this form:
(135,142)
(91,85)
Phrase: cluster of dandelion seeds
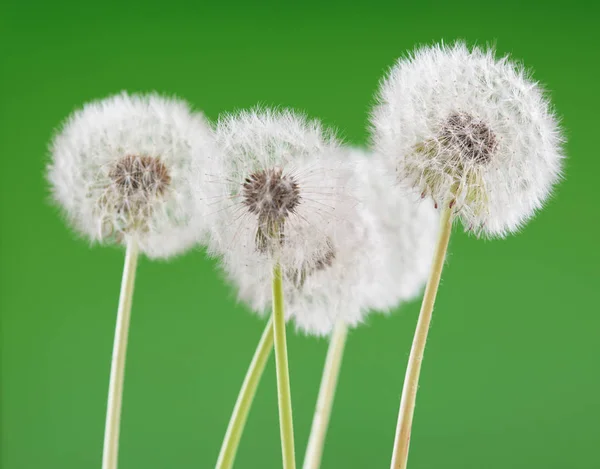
(127,166)
(470,130)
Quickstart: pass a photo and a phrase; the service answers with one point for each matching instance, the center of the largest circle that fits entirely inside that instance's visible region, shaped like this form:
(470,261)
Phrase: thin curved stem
(245,398)
(117,368)
(331,371)
(284,396)
(413,370)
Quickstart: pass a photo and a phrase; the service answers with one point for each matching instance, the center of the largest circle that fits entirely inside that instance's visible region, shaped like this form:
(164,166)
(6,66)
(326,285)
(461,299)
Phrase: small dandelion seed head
(275,185)
(470,131)
(124,167)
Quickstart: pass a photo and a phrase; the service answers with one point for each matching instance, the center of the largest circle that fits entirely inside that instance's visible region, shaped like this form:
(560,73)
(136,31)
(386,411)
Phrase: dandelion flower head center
(140,175)
(463,146)
(136,182)
(469,137)
(271,194)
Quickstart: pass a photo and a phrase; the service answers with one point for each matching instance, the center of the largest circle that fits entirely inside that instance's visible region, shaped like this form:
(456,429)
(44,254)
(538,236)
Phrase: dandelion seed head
(275,188)
(126,167)
(271,194)
(472,131)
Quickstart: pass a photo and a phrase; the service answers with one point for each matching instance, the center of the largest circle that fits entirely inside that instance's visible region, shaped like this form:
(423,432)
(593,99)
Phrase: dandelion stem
(333,362)
(245,398)
(286,424)
(411,380)
(117,367)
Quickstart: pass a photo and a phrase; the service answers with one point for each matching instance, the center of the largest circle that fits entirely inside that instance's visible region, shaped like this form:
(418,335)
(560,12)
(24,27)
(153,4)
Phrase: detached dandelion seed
(122,170)
(477,136)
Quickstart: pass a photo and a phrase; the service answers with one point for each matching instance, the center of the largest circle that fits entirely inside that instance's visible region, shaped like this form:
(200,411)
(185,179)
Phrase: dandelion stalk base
(245,398)
(318,432)
(283,378)
(117,368)
(413,370)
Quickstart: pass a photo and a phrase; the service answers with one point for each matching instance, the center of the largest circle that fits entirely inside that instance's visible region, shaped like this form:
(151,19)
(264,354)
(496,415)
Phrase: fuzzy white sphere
(128,167)
(471,131)
(282,197)
(402,230)
(331,254)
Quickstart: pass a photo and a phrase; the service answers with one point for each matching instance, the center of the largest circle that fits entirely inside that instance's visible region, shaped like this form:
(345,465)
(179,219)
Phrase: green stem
(117,368)
(413,369)
(286,425)
(333,363)
(245,398)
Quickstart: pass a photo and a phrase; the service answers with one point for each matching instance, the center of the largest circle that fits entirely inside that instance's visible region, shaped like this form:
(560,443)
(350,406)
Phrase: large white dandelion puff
(470,130)
(124,167)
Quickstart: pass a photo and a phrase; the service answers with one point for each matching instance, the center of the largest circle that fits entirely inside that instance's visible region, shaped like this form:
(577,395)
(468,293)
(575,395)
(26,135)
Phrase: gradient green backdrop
(511,373)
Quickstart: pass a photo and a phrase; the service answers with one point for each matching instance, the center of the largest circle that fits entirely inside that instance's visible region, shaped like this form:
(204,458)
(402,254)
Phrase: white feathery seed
(127,166)
(471,131)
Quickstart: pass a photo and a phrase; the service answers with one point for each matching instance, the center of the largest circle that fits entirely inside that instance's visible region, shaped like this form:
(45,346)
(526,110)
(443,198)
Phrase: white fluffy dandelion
(478,136)
(123,168)
(276,189)
(123,171)
(466,128)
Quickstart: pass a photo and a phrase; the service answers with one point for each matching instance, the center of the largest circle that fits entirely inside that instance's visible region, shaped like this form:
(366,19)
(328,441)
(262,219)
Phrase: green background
(511,373)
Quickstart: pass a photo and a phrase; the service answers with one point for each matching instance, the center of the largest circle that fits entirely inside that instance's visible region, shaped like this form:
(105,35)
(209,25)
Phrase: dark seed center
(270,194)
(470,136)
(143,175)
